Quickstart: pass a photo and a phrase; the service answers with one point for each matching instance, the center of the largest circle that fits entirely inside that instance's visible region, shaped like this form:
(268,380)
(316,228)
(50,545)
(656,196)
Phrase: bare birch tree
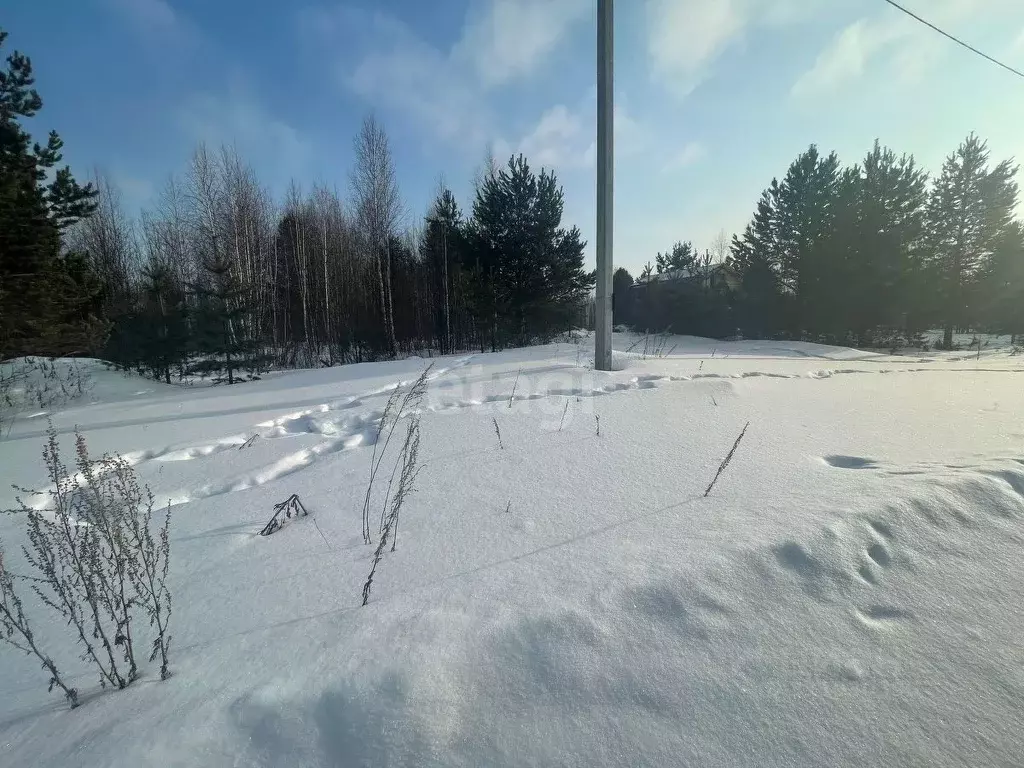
(109,238)
(379,209)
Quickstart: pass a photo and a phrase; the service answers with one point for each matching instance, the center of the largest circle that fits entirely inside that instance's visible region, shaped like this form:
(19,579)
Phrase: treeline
(221,279)
(858,255)
(218,278)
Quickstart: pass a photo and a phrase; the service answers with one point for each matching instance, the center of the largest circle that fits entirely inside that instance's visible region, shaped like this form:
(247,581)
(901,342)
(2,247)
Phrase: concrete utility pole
(605,183)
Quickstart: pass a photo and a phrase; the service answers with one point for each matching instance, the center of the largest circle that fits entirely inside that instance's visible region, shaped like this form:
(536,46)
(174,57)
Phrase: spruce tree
(969,218)
(48,300)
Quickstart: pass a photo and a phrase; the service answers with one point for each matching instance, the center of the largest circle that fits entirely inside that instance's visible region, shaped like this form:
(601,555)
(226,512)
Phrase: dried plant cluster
(100,562)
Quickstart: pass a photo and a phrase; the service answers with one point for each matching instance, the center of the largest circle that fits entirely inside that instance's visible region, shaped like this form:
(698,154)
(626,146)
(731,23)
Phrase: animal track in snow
(281,468)
(883,616)
(879,558)
(879,555)
(345,430)
(881,529)
(850,462)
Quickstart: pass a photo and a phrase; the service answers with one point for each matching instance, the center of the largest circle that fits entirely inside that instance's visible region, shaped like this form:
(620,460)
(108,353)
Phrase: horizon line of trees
(217,278)
(859,255)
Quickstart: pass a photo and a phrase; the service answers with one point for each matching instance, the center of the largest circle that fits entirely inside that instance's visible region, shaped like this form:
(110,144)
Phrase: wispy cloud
(236,118)
(560,139)
(447,90)
(508,39)
(686,37)
(158,21)
(403,73)
(155,14)
(564,138)
(691,154)
(847,56)
(1017,46)
(907,49)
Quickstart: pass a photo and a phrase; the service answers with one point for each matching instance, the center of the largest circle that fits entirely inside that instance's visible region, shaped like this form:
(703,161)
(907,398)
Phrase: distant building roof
(685,274)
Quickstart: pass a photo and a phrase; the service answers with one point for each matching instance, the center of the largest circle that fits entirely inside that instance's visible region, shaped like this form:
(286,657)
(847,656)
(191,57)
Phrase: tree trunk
(447,309)
(947,336)
(389,307)
(383,294)
(327,297)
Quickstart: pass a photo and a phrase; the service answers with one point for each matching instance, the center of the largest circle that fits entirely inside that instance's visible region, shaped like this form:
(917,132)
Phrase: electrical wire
(955,39)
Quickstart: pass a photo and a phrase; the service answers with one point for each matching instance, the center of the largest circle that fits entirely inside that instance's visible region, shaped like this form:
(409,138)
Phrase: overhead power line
(955,39)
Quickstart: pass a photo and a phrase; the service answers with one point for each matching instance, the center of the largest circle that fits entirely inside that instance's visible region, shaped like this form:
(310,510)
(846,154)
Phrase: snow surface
(849,594)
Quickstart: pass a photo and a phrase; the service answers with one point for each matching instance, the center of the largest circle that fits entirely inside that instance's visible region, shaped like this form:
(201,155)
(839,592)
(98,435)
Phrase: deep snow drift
(849,594)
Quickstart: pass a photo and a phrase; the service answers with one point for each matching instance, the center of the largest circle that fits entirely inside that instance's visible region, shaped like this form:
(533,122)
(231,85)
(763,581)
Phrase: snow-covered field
(849,594)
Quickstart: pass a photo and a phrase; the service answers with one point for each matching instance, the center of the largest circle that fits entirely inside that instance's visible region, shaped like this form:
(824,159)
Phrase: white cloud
(691,154)
(160,24)
(405,74)
(564,138)
(154,14)
(507,39)
(686,37)
(1017,46)
(445,90)
(846,58)
(235,118)
(561,139)
(907,48)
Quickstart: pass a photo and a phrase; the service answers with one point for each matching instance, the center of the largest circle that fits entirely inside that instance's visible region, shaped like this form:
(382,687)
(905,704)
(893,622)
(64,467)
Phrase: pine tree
(528,269)
(1002,308)
(969,217)
(165,320)
(483,231)
(785,243)
(682,257)
(806,213)
(891,195)
(440,249)
(223,306)
(760,244)
(48,301)
(756,257)
(622,297)
(830,303)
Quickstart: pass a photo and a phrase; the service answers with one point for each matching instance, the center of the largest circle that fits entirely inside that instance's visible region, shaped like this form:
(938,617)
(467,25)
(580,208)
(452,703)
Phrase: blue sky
(714,97)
